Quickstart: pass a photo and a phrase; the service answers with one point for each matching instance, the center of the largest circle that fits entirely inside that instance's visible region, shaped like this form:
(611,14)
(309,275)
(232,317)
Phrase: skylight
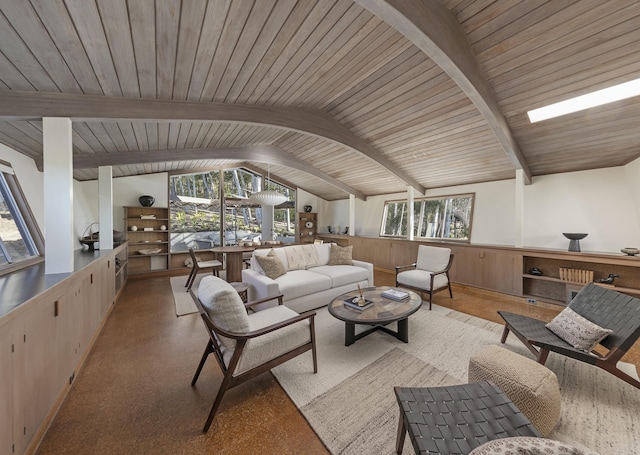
(593,99)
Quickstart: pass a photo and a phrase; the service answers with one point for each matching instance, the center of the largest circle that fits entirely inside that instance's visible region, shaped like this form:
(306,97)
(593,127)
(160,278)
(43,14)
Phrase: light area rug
(351,405)
(182,299)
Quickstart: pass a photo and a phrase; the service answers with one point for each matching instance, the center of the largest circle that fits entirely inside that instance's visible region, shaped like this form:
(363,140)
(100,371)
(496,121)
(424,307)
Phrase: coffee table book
(350,304)
(394,294)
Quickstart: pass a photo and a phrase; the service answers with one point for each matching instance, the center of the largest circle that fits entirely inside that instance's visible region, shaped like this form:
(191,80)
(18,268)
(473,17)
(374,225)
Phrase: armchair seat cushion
(341,275)
(421,279)
(261,349)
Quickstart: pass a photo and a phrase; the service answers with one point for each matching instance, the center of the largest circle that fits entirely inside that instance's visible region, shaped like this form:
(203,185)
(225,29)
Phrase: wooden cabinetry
(488,268)
(148,241)
(307,227)
(550,287)
(43,343)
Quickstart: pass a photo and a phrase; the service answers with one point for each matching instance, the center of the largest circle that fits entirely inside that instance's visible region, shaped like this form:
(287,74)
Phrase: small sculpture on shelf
(574,240)
(308,208)
(609,279)
(535,271)
(330,229)
(146,201)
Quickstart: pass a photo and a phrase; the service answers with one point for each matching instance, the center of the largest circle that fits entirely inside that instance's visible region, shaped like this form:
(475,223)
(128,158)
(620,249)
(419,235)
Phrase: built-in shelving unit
(147,229)
(307,227)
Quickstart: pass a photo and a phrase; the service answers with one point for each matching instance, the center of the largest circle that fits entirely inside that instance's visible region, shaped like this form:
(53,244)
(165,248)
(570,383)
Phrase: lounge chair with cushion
(608,313)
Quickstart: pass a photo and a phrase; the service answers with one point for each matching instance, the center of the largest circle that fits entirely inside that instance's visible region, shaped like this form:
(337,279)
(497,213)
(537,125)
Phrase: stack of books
(353,303)
(395,294)
(147,217)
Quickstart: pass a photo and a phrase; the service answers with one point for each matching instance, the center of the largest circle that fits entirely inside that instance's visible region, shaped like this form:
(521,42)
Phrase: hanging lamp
(268,197)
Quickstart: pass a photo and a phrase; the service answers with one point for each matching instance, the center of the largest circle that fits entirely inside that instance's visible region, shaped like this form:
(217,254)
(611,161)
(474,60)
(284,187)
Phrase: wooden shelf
(141,239)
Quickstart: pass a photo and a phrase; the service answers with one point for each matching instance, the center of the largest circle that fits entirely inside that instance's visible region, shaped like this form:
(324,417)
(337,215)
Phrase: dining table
(233,269)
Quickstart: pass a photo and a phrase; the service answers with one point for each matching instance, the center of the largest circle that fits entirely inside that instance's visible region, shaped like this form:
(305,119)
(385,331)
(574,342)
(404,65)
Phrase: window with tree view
(20,240)
(195,209)
(444,217)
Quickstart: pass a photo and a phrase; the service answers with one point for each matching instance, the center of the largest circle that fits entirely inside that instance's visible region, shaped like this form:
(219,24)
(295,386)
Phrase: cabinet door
(35,382)
(6,388)
(68,335)
(502,271)
(467,267)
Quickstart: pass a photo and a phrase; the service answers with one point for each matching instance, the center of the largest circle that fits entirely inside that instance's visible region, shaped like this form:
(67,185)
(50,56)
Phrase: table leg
(349,333)
(234,267)
(403,330)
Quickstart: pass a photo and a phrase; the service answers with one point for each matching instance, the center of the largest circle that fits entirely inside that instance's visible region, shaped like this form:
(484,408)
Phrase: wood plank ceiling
(398,118)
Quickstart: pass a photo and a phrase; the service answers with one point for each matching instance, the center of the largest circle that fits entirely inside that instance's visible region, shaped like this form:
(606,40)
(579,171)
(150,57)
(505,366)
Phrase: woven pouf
(532,387)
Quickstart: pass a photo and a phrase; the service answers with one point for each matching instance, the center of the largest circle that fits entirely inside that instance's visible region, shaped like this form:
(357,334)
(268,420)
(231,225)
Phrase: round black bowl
(146,201)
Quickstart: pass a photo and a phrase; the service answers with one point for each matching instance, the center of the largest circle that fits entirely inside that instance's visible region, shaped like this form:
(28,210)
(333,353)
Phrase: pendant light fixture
(268,197)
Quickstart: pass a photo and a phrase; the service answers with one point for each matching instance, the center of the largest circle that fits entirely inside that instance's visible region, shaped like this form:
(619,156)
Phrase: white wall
(605,203)
(126,191)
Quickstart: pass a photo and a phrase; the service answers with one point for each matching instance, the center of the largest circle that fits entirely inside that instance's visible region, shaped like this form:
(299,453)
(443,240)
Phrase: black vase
(308,208)
(146,201)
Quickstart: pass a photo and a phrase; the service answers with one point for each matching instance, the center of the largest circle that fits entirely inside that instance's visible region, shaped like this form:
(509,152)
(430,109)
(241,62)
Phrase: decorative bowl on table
(146,201)
(630,251)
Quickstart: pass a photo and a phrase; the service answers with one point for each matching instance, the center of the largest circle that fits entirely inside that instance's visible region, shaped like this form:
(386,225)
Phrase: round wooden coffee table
(383,312)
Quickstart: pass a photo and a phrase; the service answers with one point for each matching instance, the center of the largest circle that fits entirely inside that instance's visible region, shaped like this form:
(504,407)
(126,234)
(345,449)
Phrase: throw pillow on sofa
(341,255)
(271,264)
(302,257)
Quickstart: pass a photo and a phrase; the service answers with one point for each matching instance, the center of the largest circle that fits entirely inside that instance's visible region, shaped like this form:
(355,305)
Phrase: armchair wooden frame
(214,346)
(431,290)
(607,308)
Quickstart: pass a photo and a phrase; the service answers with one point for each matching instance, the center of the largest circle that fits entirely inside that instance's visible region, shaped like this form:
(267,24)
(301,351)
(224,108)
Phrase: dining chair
(214,265)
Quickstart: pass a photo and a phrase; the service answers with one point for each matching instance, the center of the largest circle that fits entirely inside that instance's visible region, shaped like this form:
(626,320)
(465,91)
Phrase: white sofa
(306,286)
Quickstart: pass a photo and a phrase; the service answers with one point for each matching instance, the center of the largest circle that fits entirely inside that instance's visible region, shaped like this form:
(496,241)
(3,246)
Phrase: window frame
(387,204)
(27,220)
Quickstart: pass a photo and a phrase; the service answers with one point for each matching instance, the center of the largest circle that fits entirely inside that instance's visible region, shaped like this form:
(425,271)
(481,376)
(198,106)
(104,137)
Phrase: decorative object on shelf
(163,228)
(576,275)
(134,228)
(309,224)
(337,229)
(150,251)
(148,229)
(535,271)
(308,208)
(346,230)
(330,229)
(609,279)
(146,201)
(574,244)
(90,239)
(630,251)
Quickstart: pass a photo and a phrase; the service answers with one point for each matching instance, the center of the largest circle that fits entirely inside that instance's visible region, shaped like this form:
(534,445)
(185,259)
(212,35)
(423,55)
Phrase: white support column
(411,217)
(105,206)
(352,214)
(59,238)
(519,209)
(267,222)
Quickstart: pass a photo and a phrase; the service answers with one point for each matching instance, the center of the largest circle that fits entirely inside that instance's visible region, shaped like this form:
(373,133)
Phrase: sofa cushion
(255,265)
(342,274)
(341,255)
(271,265)
(297,283)
(269,346)
(300,257)
(324,250)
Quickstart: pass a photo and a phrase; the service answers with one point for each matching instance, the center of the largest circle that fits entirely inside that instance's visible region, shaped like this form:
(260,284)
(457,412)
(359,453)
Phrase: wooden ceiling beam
(434,29)
(267,154)
(91,108)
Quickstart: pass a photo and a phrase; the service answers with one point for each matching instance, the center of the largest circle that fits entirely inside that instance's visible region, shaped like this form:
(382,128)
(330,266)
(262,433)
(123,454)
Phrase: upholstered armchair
(430,272)
(246,345)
